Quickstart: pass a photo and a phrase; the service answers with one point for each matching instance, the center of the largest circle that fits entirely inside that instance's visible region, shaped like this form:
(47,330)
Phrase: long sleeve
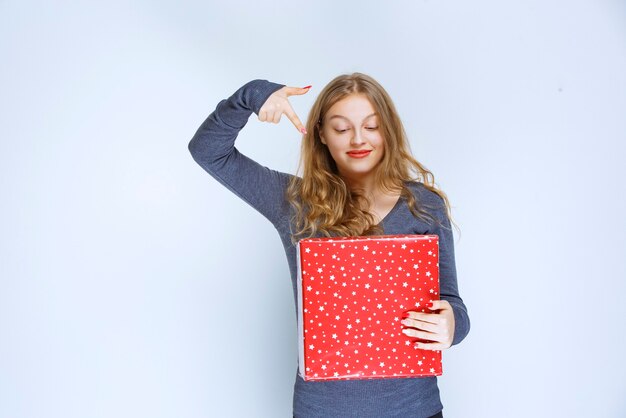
(447,275)
(213,148)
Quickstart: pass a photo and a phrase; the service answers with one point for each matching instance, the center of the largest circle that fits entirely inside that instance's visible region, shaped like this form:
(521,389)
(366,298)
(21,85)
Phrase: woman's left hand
(437,327)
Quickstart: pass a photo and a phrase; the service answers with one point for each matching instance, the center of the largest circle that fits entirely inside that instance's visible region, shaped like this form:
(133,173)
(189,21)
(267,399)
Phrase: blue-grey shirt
(213,148)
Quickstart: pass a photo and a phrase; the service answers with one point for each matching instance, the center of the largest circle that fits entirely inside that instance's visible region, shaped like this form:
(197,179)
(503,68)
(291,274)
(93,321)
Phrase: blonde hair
(322,201)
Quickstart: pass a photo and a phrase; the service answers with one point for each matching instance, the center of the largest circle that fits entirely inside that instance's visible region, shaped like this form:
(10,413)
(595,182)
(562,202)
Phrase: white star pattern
(355,323)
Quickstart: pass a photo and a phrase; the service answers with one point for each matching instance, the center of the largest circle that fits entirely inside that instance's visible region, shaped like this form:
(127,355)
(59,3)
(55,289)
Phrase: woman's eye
(371,128)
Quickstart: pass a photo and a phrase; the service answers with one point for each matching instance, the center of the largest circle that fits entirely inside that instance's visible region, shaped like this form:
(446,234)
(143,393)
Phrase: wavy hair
(322,201)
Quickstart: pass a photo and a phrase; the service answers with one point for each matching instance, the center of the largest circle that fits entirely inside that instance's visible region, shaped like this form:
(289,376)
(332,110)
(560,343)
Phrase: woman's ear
(319,129)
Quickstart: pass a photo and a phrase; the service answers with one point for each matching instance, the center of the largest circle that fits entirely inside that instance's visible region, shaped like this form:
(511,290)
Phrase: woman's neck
(368,187)
(380,203)
(366,184)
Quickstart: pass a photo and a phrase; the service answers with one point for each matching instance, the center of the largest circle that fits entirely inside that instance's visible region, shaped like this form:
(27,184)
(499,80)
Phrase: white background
(132,284)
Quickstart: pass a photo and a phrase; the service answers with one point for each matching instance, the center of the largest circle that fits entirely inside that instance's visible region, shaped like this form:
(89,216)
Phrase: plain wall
(132,284)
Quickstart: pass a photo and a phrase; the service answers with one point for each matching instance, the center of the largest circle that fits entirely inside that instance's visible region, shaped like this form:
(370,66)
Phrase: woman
(356,180)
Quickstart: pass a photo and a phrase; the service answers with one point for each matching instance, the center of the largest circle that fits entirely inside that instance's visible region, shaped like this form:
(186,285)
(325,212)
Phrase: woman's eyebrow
(343,117)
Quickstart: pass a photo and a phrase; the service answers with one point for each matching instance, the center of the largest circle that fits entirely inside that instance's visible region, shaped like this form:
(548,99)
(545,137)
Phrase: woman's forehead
(355,107)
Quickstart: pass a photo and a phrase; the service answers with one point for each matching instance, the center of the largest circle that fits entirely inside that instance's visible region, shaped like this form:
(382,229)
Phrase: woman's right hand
(278,103)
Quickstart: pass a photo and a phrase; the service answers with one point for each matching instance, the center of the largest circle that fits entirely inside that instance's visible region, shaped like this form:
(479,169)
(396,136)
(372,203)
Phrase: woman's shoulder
(429,201)
(423,194)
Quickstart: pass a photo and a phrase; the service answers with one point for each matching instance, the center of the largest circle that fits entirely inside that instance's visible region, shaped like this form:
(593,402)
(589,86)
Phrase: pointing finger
(295,120)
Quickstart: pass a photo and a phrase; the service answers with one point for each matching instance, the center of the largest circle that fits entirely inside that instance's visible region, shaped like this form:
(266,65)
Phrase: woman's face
(353,137)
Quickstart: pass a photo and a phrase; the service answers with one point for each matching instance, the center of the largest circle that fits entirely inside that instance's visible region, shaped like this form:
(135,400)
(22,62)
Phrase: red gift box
(352,293)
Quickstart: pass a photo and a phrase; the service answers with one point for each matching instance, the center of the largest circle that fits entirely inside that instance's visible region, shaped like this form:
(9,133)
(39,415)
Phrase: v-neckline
(395,206)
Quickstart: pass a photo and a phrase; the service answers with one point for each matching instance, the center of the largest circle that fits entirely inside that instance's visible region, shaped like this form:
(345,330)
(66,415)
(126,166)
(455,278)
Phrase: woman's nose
(356,139)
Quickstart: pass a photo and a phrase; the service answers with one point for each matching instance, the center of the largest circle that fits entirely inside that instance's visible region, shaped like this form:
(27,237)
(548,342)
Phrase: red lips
(359,154)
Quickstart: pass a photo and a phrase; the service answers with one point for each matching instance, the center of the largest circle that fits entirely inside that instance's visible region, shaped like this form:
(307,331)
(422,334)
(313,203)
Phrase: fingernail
(430,304)
(405,315)
(303,130)
(306,87)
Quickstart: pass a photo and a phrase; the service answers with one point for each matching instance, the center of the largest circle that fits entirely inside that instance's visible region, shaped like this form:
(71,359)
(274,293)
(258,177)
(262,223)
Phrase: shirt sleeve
(213,148)
(448,286)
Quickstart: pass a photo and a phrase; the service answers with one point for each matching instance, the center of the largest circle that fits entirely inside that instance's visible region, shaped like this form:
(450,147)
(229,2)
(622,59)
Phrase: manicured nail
(306,87)
(430,304)
(405,315)
(303,130)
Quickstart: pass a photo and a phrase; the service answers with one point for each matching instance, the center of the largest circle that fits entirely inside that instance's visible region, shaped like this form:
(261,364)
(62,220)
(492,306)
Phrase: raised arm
(213,148)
